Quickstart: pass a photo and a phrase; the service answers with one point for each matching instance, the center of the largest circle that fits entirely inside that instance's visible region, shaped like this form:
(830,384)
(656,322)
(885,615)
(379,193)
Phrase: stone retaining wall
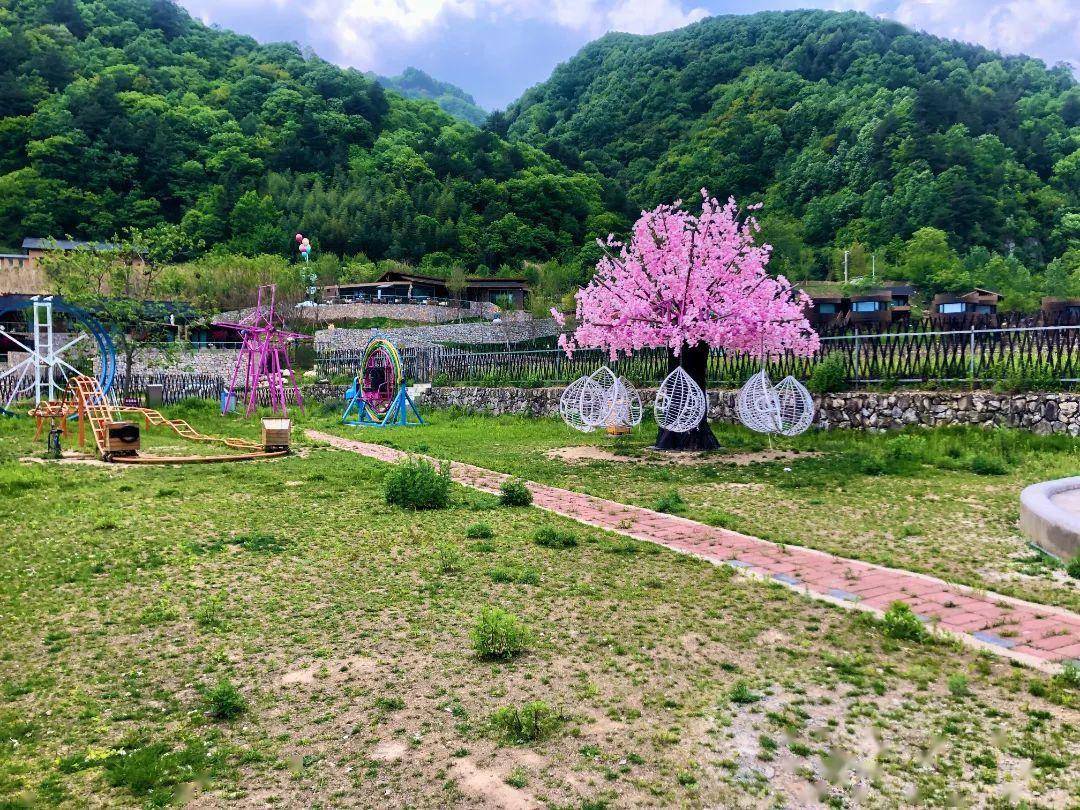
(197,361)
(1041,413)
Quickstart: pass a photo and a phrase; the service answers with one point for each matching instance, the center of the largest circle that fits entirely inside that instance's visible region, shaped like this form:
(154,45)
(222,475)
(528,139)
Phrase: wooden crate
(276,432)
(122,437)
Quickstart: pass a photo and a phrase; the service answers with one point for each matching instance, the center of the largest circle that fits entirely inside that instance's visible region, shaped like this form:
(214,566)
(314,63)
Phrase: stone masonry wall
(1041,413)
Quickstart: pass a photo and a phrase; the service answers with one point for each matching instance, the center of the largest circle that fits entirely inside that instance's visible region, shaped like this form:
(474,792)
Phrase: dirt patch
(70,457)
(591,452)
(489,788)
(330,671)
(389,751)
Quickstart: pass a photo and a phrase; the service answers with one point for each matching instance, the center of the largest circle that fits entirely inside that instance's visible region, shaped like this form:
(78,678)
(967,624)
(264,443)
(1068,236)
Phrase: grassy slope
(126,593)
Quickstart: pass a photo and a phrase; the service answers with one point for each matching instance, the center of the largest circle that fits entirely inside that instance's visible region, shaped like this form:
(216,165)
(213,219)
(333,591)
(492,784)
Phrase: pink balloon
(299,237)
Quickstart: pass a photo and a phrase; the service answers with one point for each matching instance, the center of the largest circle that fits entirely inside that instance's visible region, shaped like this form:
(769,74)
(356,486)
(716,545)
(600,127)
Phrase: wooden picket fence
(970,356)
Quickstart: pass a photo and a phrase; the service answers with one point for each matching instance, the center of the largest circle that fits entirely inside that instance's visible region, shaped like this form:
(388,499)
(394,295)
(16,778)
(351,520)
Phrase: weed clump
(901,623)
(742,694)
(499,635)
(416,484)
(530,722)
(224,701)
(479,531)
(261,543)
(547,537)
(153,770)
(670,502)
(514,493)
(987,464)
(522,575)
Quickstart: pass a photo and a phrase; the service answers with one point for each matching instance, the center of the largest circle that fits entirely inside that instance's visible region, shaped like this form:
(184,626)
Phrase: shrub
(1073,568)
(416,484)
(479,531)
(499,635)
(514,493)
(547,537)
(528,723)
(829,375)
(987,464)
(224,701)
(671,501)
(900,622)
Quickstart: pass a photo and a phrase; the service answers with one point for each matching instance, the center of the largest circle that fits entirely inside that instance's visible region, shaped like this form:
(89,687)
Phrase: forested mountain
(849,128)
(415,83)
(128,113)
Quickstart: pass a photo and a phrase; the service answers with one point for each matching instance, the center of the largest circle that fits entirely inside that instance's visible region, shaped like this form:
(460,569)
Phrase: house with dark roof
(837,304)
(978,306)
(394,287)
(35,247)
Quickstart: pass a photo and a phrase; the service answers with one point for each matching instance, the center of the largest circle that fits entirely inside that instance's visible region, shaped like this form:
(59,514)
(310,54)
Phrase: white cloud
(361,28)
(1049,29)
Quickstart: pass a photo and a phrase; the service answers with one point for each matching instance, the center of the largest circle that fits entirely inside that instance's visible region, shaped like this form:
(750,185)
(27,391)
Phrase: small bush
(531,722)
(522,575)
(514,493)
(547,537)
(479,531)
(1073,568)
(499,635)
(958,686)
(671,501)
(829,375)
(416,484)
(987,464)
(224,701)
(900,622)
(448,558)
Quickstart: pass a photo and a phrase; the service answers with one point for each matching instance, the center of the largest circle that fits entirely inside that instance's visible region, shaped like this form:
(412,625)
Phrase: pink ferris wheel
(263,362)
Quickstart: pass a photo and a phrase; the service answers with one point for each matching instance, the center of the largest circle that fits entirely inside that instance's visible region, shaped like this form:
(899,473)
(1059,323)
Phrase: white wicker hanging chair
(680,403)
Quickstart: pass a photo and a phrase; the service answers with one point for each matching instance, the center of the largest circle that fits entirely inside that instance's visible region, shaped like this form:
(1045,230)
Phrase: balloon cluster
(305,246)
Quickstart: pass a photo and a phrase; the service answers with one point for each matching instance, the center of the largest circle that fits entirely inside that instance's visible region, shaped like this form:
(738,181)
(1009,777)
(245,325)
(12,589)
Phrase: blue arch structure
(98,333)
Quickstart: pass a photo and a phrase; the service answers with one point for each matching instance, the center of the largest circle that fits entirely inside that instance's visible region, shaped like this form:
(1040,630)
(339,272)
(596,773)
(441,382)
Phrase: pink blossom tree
(690,283)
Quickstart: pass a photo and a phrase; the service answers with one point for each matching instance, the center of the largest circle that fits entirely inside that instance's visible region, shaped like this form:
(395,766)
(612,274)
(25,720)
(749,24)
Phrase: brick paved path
(1038,635)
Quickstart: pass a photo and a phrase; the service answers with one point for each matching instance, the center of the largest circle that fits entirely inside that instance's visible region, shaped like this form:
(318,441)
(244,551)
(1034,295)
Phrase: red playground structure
(263,358)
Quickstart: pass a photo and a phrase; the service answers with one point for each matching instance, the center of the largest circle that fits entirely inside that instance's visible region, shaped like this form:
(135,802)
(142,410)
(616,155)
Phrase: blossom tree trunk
(701,438)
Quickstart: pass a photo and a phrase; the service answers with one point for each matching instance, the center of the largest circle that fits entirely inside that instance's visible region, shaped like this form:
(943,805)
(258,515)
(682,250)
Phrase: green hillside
(849,129)
(415,83)
(124,114)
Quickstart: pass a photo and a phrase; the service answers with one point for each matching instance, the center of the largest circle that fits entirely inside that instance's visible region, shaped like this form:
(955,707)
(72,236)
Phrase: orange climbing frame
(93,407)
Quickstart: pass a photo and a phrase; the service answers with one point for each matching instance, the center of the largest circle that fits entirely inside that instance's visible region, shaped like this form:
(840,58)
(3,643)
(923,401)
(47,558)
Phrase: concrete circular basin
(1050,516)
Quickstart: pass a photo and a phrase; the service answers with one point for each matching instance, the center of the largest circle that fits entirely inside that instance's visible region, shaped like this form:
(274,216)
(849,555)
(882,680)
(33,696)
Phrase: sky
(496,49)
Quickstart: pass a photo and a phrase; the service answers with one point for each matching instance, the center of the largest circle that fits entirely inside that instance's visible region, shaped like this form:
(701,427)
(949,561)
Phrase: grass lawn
(275,634)
(943,502)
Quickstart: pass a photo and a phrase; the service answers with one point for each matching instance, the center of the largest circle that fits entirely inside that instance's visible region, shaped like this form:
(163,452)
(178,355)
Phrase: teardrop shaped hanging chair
(680,403)
(624,405)
(581,399)
(757,405)
(796,406)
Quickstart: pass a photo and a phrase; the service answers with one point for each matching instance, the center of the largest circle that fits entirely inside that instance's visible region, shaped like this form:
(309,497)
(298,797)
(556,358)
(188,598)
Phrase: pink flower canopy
(685,280)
